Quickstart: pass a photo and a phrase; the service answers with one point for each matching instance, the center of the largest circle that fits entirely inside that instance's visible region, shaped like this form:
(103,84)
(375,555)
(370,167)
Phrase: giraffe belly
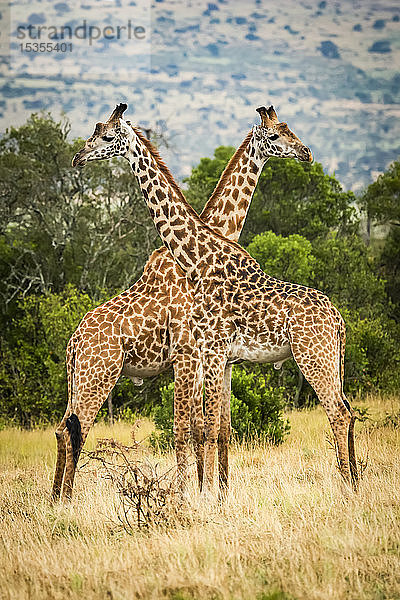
(136,372)
(260,353)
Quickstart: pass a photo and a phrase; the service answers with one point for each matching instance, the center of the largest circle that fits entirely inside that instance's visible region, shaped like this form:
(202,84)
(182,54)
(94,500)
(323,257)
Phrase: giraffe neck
(227,208)
(182,231)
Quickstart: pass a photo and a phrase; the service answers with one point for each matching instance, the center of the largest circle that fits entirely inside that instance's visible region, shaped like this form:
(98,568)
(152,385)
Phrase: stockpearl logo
(95,37)
(91,33)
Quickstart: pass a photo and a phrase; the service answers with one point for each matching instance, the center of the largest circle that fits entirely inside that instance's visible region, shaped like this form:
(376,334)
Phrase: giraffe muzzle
(306,154)
(79,159)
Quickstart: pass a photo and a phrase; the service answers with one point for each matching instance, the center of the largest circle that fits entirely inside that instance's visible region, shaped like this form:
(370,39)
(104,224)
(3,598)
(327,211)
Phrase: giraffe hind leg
(90,396)
(78,426)
(351,445)
(352,455)
(341,423)
(61,458)
(321,371)
(60,466)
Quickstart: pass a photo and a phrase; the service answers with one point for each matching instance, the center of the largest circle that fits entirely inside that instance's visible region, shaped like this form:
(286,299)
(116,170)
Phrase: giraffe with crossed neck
(239,312)
(154,307)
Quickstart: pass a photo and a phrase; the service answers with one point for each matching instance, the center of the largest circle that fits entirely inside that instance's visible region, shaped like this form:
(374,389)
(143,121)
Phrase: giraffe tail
(72,423)
(74,428)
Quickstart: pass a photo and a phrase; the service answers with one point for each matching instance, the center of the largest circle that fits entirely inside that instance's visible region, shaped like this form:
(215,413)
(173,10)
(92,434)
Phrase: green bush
(33,381)
(163,415)
(372,354)
(32,370)
(256,409)
(288,258)
(345,272)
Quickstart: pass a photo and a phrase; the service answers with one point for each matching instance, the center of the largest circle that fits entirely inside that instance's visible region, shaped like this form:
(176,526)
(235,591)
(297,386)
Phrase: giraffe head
(275,138)
(109,139)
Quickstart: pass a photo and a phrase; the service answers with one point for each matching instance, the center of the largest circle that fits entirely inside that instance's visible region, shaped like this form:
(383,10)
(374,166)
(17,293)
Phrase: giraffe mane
(227,172)
(161,164)
(168,175)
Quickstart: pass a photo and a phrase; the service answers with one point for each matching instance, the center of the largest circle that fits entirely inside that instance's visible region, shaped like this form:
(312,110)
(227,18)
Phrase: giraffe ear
(98,130)
(124,126)
(265,120)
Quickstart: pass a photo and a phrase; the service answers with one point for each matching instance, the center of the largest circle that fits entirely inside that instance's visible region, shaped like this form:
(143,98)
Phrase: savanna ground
(288,529)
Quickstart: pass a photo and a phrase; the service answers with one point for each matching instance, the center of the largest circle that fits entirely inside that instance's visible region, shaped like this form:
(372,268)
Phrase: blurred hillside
(329,67)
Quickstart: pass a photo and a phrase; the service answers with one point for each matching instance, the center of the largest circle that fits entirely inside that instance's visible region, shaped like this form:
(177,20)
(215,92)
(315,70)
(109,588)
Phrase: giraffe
(239,312)
(155,305)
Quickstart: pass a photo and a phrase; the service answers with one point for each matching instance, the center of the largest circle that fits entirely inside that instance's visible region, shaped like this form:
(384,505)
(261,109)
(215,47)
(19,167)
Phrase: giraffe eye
(108,138)
(273,137)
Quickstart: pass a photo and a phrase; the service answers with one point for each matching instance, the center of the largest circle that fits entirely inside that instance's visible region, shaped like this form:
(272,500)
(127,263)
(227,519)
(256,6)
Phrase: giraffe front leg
(224,433)
(214,368)
(197,423)
(186,367)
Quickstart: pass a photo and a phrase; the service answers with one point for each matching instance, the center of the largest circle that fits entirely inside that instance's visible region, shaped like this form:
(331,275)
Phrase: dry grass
(287,530)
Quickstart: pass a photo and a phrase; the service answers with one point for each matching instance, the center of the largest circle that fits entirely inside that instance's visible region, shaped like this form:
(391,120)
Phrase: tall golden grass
(288,530)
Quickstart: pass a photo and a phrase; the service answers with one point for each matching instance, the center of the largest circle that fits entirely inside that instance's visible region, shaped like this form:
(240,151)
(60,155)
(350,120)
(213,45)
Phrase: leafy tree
(389,263)
(32,371)
(204,177)
(287,258)
(257,406)
(163,415)
(33,383)
(381,201)
(345,272)
(372,356)
(60,225)
(293,197)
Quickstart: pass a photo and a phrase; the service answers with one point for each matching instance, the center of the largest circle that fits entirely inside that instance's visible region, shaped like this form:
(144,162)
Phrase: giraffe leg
(187,368)
(342,425)
(60,433)
(224,433)
(90,395)
(81,422)
(214,379)
(322,373)
(197,424)
(352,454)
(340,421)
(74,443)
(61,459)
